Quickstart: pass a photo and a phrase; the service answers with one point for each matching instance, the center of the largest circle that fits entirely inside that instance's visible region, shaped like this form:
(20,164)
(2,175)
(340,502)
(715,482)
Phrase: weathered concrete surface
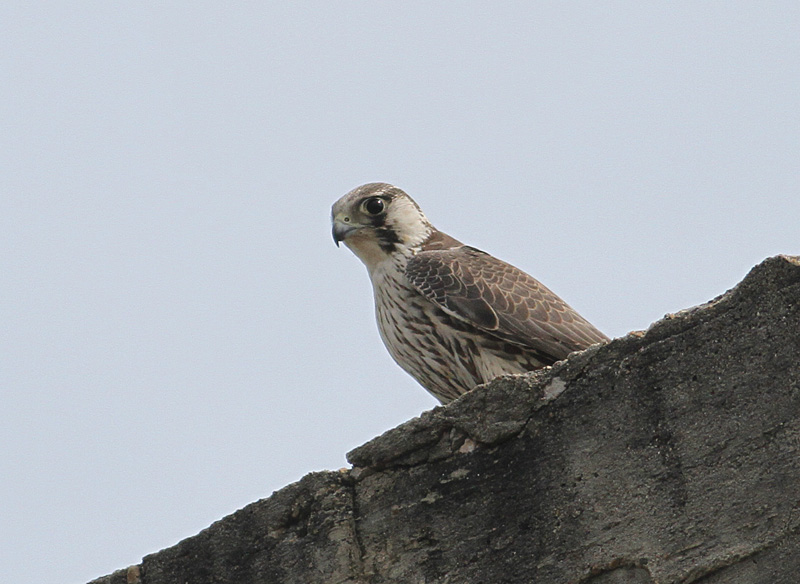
(671,456)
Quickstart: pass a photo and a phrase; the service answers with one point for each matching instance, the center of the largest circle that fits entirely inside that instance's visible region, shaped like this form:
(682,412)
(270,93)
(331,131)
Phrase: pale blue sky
(180,335)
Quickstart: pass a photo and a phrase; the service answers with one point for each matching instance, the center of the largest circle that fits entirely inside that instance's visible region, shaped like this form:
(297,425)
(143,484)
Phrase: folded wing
(500,300)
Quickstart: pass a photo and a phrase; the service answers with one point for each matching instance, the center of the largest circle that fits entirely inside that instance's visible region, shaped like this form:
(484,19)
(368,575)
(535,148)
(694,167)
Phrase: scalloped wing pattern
(500,300)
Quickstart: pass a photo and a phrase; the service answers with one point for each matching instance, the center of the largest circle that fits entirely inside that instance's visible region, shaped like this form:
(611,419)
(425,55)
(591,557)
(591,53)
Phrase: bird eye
(374,206)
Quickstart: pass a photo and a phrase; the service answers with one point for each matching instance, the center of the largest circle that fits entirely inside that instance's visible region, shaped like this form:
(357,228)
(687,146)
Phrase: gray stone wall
(670,456)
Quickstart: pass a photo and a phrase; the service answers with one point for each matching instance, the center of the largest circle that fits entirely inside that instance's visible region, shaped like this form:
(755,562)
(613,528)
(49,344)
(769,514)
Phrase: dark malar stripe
(387,239)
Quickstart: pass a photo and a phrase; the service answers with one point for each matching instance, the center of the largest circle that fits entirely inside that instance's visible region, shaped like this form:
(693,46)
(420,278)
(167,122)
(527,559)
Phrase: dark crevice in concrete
(361,575)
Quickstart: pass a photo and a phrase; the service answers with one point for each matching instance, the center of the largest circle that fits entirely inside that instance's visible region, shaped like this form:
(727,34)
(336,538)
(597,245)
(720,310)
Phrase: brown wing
(501,300)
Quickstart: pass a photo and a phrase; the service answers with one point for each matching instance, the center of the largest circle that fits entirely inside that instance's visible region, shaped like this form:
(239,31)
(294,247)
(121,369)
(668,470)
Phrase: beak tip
(340,232)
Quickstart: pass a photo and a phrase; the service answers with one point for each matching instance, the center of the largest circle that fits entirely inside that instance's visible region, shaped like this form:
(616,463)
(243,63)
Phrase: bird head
(376,220)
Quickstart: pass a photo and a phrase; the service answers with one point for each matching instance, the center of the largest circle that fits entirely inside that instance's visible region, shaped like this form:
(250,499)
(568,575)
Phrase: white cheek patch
(408,222)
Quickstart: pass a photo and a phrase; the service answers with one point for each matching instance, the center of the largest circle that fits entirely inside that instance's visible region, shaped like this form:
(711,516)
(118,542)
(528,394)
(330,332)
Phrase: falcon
(451,315)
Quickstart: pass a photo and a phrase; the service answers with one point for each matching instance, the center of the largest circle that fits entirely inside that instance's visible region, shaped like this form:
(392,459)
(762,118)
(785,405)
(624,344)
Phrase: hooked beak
(341,230)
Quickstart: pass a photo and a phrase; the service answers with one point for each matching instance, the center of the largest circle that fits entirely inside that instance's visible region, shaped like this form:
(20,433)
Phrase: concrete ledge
(668,456)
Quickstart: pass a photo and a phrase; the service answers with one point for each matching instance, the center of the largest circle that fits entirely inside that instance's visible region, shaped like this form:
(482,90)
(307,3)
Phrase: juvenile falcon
(451,315)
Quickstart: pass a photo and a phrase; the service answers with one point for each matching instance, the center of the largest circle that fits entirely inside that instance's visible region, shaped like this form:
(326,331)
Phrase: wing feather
(501,300)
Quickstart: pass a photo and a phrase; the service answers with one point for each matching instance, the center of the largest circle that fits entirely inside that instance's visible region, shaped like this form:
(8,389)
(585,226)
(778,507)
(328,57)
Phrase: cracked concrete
(667,456)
